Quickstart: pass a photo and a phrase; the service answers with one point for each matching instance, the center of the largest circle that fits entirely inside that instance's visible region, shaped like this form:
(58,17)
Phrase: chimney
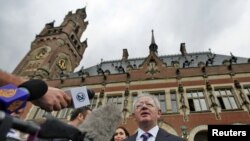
(183,49)
(125,55)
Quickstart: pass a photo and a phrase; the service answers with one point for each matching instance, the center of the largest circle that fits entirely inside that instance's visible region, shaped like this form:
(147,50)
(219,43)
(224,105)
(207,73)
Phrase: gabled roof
(179,61)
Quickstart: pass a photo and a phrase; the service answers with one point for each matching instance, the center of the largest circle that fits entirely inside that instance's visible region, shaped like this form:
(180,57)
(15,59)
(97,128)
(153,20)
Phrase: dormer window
(100,71)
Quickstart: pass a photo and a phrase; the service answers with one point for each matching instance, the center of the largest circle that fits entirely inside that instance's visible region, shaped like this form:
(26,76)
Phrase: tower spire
(153,46)
(153,38)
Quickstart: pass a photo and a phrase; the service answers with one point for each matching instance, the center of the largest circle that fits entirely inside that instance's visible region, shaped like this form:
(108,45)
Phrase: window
(40,113)
(63,113)
(226,98)
(162,99)
(93,103)
(196,100)
(247,92)
(134,96)
(201,136)
(116,100)
(32,112)
(173,101)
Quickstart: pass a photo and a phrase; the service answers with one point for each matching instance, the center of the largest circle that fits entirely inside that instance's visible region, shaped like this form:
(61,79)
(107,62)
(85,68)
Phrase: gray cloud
(221,25)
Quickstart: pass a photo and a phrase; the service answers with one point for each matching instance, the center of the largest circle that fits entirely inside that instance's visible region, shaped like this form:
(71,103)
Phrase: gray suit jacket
(162,135)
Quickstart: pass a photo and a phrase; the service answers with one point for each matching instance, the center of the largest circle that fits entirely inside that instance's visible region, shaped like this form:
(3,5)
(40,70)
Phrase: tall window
(93,103)
(162,99)
(116,100)
(196,100)
(134,96)
(63,113)
(226,98)
(173,101)
(40,113)
(247,92)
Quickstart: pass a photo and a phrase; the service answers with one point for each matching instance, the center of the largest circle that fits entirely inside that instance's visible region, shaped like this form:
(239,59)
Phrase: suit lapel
(161,135)
(132,138)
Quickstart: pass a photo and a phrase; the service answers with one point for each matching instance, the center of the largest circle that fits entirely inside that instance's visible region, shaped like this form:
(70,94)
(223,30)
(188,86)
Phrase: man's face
(146,111)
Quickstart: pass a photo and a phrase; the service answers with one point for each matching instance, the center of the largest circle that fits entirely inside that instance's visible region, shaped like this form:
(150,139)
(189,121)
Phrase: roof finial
(153,37)
(153,47)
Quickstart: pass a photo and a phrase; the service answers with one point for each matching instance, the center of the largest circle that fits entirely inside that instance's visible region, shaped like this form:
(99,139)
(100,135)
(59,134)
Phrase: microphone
(36,88)
(81,96)
(24,126)
(54,128)
(13,98)
(100,125)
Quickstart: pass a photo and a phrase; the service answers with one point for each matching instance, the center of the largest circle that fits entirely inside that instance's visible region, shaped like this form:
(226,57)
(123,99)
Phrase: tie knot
(145,136)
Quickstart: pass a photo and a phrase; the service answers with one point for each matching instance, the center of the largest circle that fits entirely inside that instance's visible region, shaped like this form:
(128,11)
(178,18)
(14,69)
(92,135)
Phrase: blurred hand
(54,100)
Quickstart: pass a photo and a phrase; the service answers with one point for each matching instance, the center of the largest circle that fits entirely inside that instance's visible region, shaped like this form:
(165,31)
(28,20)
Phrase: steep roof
(178,61)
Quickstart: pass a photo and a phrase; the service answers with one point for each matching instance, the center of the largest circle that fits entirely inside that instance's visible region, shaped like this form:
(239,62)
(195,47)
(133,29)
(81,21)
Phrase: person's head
(78,115)
(121,133)
(146,111)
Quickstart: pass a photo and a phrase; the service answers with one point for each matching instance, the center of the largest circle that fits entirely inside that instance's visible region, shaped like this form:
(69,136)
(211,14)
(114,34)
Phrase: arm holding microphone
(53,99)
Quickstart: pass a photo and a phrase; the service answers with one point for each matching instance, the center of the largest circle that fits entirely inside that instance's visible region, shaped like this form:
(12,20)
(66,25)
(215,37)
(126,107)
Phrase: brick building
(194,89)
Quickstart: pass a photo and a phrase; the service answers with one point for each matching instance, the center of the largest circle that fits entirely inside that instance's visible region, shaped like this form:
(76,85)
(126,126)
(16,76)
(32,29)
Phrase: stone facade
(195,89)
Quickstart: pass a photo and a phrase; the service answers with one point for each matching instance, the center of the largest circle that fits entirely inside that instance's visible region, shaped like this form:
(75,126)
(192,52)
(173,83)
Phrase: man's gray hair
(154,98)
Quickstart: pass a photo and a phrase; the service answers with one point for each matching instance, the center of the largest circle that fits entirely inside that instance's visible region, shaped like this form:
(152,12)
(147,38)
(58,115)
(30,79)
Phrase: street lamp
(184,132)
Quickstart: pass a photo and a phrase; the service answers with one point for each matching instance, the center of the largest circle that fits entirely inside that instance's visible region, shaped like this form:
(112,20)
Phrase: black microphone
(13,98)
(36,88)
(91,93)
(54,128)
(100,125)
(23,126)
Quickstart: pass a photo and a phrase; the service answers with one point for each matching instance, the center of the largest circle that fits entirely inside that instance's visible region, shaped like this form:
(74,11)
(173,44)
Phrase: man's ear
(159,113)
(80,115)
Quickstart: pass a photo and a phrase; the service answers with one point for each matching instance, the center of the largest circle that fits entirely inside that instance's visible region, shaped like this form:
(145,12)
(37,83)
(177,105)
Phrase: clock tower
(56,50)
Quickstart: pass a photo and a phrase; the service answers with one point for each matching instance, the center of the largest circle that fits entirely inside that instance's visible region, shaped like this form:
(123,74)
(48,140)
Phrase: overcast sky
(221,25)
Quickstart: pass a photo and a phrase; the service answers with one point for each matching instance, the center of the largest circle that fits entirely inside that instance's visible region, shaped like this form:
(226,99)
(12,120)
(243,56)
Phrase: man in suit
(147,111)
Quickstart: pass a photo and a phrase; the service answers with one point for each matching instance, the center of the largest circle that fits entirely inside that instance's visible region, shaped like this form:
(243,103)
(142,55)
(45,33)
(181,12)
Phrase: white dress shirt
(152,131)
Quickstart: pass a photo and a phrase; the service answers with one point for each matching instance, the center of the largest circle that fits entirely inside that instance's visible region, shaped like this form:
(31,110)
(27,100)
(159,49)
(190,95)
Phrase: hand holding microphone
(13,98)
(53,99)
(57,99)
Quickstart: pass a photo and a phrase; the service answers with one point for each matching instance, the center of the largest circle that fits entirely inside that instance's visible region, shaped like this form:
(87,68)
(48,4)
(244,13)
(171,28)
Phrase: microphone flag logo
(12,98)
(79,96)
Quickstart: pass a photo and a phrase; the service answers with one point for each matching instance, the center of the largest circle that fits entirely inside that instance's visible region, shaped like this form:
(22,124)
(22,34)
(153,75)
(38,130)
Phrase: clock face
(62,63)
(42,52)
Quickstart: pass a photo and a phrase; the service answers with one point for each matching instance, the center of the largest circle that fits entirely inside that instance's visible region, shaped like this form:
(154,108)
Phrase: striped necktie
(145,136)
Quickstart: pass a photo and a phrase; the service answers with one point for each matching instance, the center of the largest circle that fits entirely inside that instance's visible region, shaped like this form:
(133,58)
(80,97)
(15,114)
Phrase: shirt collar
(152,131)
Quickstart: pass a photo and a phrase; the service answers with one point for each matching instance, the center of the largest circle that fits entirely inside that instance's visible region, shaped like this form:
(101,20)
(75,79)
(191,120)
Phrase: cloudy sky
(219,25)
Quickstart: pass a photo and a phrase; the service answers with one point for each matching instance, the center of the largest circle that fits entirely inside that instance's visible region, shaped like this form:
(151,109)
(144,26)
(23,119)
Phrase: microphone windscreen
(54,128)
(91,93)
(37,88)
(100,125)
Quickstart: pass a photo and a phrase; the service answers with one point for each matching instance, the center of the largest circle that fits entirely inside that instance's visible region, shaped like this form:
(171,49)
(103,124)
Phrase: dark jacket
(162,135)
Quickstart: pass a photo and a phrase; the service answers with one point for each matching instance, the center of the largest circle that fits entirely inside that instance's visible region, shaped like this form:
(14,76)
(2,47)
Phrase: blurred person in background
(121,133)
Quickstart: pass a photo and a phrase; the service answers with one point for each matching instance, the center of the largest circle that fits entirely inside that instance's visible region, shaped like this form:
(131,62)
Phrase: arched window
(201,136)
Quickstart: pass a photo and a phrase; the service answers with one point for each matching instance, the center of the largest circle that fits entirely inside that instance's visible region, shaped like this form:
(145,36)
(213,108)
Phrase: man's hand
(54,100)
